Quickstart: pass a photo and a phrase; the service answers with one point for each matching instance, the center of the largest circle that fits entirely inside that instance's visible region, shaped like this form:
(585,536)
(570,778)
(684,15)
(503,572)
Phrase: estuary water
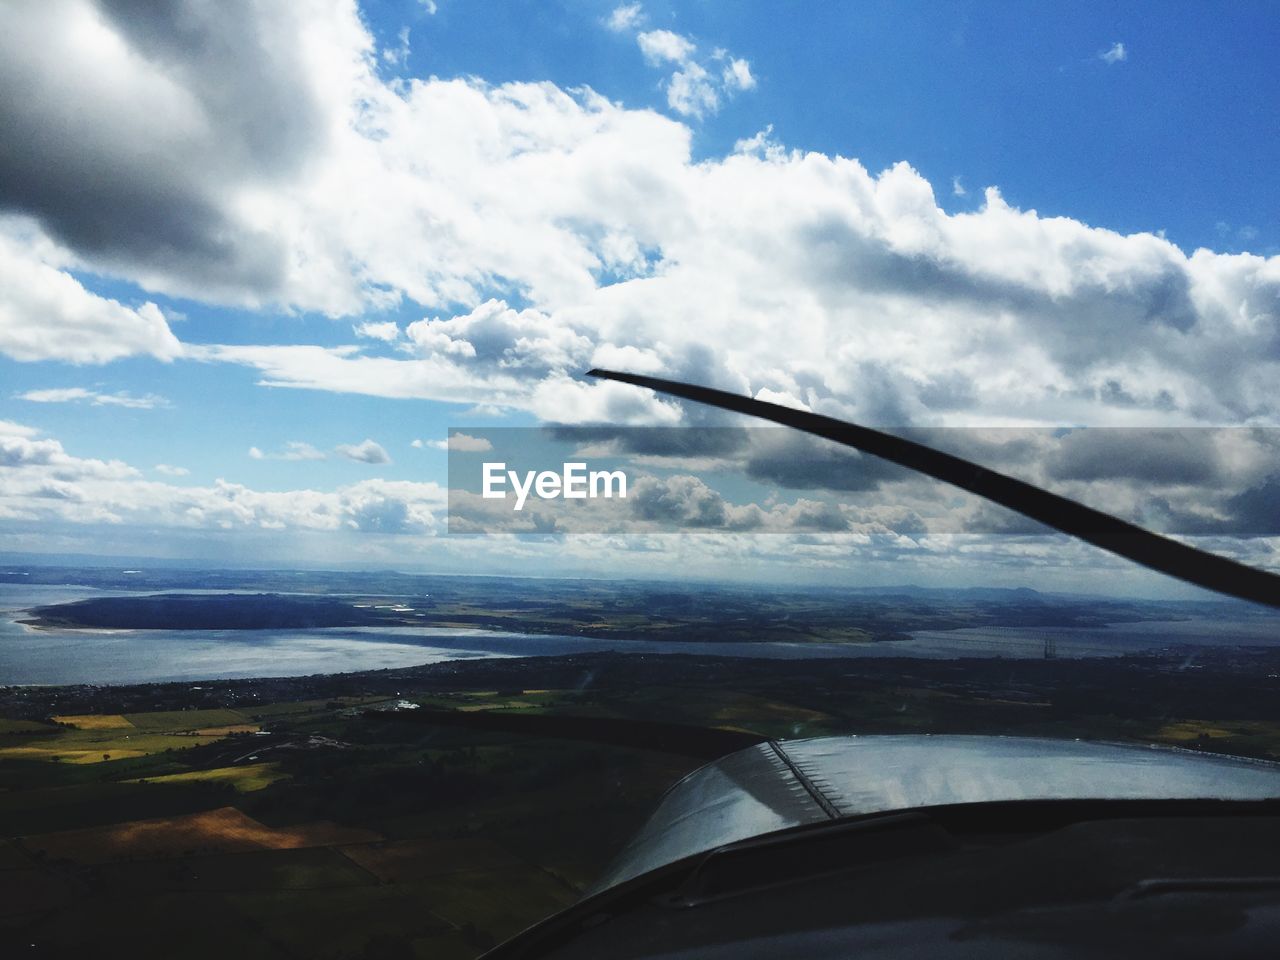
(48,657)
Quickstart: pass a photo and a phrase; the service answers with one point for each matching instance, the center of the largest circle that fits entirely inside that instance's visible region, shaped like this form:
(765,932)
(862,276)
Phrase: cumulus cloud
(625,17)
(1116,53)
(293,450)
(42,482)
(10,429)
(737,74)
(367,451)
(1188,481)
(47,314)
(386,331)
(663,46)
(541,231)
(896,311)
(142,140)
(695,87)
(45,489)
(81,394)
(465,198)
(40,467)
(169,470)
(692,92)
(461,442)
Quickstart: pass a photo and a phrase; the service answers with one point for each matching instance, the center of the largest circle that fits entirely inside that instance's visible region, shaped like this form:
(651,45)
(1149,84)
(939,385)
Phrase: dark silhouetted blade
(1124,539)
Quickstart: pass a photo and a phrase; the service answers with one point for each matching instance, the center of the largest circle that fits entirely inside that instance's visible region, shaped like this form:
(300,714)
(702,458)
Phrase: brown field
(224,830)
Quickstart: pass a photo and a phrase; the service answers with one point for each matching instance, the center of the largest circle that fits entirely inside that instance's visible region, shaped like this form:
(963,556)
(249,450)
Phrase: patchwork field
(311,832)
(301,826)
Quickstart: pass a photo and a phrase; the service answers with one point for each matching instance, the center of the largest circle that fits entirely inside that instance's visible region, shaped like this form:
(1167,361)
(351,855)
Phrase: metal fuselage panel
(773,786)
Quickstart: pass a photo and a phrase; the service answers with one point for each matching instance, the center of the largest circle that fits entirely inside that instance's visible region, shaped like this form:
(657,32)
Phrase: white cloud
(397,55)
(737,75)
(848,290)
(957,188)
(10,429)
(281,171)
(693,90)
(895,311)
(661,46)
(45,489)
(76,394)
(1116,53)
(387,331)
(367,451)
(46,314)
(463,443)
(625,17)
(40,482)
(44,462)
(59,395)
(169,470)
(191,118)
(293,450)
(429,6)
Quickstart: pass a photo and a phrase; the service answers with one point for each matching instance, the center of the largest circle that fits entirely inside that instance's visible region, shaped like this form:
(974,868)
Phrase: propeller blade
(1156,552)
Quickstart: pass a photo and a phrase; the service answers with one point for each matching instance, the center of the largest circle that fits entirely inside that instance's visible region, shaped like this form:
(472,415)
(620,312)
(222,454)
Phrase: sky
(256,259)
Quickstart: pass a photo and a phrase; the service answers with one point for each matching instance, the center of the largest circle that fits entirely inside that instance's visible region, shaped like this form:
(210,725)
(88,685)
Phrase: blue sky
(753,168)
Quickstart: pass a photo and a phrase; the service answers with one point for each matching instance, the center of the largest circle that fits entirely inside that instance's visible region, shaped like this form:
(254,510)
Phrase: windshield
(360,597)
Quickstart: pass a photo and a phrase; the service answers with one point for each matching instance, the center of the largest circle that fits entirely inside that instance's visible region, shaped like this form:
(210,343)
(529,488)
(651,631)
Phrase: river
(48,657)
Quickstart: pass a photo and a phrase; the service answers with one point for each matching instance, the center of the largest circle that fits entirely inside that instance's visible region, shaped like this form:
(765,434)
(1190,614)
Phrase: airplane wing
(790,783)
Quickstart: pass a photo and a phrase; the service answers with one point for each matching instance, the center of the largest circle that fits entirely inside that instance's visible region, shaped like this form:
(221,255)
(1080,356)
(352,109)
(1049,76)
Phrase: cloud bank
(332,190)
(253,155)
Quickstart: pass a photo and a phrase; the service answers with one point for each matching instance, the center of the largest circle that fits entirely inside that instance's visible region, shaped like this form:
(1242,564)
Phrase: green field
(327,833)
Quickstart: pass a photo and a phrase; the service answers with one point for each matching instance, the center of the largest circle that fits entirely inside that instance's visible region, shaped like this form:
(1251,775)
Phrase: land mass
(432,811)
(609,610)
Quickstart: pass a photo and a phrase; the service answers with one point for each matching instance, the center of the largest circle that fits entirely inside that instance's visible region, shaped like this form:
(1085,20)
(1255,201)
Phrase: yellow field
(90,746)
(250,777)
(92,721)
(67,754)
(1254,737)
(1190,730)
(93,738)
